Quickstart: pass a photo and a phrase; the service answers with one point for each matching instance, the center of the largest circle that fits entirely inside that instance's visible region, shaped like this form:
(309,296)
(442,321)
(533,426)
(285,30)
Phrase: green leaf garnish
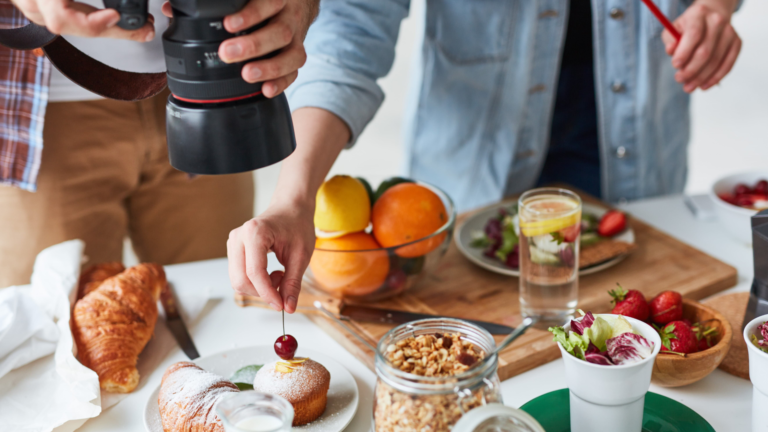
(556,236)
(243,377)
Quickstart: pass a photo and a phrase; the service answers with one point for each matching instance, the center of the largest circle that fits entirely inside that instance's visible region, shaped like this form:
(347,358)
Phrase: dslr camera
(217,123)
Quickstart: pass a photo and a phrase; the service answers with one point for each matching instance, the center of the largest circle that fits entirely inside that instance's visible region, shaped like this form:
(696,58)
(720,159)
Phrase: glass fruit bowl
(375,274)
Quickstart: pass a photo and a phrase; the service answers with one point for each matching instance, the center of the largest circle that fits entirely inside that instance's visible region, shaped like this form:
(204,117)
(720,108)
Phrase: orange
(408,212)
(350,273)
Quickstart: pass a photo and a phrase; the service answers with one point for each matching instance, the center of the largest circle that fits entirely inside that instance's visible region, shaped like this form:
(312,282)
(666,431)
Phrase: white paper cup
(610,398)
(758,374)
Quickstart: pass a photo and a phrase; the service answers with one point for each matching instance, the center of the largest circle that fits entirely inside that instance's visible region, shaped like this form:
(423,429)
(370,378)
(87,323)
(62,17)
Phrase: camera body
(216,122)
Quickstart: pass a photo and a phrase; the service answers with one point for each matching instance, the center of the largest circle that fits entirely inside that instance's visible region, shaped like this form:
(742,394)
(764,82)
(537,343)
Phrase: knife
(363,313)
(758,295)
(176,324)
(388,316)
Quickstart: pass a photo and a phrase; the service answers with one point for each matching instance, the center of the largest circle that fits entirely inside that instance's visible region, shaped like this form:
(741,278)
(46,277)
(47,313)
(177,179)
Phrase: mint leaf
(243,377)
(556,236)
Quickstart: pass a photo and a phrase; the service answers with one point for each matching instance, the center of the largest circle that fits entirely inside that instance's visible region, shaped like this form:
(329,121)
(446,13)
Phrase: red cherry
(285,347)
(761,187)
(741,189)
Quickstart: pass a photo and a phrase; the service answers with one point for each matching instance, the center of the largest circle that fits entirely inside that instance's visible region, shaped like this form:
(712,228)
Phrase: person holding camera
(75,165)
(507,95)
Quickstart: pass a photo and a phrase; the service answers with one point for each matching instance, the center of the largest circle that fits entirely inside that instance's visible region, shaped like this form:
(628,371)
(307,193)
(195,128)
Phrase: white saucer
(342,395)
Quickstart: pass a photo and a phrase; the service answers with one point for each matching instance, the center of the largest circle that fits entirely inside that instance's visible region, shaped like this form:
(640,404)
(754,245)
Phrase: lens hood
(231,137)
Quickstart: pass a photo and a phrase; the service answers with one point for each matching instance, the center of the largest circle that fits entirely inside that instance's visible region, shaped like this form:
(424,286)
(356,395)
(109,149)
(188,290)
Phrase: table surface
(722,399)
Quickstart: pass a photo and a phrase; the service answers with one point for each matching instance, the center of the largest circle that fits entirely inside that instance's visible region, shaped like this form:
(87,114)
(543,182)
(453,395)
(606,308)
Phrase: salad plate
(660,414)
(466,232)
(343,396)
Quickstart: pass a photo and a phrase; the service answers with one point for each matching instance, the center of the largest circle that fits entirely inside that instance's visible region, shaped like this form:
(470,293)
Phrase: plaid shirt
(24,80)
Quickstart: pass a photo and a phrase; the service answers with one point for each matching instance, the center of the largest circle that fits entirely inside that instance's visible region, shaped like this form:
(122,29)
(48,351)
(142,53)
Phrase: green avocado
(368,189)
(388,183)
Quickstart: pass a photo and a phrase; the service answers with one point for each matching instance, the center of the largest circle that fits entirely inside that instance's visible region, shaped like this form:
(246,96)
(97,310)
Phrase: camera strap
(83,69)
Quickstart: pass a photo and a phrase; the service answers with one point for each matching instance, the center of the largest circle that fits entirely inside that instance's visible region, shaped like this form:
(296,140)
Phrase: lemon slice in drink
(546,214)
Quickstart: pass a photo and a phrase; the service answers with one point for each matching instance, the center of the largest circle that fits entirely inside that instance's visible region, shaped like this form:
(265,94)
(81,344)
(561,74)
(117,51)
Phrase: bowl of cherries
(737,198)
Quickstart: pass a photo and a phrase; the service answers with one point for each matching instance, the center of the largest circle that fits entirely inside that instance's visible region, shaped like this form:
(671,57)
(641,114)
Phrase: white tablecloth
(722,399)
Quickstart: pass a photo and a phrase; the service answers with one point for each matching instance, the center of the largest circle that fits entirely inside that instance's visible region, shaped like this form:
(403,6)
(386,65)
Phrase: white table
(724,400)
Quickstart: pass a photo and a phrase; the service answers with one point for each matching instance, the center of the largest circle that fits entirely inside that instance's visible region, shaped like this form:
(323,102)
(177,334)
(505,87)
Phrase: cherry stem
(283,324)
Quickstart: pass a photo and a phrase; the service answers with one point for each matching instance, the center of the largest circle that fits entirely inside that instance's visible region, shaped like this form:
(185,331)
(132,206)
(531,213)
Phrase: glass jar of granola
(430,372)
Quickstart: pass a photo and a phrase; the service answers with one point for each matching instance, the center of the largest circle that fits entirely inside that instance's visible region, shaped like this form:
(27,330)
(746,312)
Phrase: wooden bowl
(672,370)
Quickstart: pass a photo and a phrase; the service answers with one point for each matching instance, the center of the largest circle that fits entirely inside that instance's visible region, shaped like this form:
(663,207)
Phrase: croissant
(113,322)
(93,276)
(187,396)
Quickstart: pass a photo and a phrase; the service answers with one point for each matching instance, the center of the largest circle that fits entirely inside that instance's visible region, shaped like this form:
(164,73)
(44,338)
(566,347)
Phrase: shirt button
(616,13)
(621,152)
(618,87)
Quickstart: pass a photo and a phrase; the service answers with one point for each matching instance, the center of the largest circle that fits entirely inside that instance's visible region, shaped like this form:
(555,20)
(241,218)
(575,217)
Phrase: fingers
(258,240)
(290,287)
(709,68)
(253,13)
(725,66)
(236,262)
(80,19)
(669,41)
(287,61)
(273,88)
(167,10)
(692,26)
(273,36)
(706,50)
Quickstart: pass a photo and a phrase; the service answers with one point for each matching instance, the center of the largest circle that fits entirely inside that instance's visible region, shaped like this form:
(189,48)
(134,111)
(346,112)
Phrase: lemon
(343,206)
(547,214)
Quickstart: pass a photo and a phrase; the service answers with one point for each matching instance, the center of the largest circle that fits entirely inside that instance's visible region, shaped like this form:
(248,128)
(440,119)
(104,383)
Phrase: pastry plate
(342,394)
(477,222)
(660,414)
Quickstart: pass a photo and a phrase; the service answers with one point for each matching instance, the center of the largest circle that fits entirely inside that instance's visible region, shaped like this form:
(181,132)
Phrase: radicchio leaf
(628,348)
(593,355)
(763,330)
(585,323)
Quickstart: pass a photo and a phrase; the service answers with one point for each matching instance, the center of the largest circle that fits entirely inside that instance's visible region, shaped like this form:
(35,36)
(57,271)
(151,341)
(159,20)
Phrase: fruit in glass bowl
(414,220)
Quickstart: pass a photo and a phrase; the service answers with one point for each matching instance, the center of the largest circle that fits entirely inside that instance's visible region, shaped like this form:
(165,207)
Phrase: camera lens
(195,71)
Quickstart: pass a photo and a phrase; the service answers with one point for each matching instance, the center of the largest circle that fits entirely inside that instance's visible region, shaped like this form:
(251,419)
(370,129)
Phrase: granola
(434,355)
(430,355)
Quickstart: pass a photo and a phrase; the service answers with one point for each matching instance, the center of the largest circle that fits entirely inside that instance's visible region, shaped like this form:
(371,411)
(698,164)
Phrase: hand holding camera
(68,17)
(288,23)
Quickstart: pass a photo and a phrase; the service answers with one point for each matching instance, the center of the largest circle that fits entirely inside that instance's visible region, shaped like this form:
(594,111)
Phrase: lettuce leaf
(593,355)
(599,332)
(574,343)
(621,326)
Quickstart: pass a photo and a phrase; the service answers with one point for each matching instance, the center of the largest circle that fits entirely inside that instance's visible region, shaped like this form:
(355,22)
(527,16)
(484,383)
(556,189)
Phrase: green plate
(661,414)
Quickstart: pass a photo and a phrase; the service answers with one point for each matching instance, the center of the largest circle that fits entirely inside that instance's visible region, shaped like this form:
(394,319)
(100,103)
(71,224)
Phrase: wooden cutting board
(458,288)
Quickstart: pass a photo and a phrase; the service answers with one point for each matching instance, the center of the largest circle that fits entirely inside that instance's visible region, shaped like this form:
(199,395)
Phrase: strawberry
(704,334)
(666,307)
(569,234)
(612,223)
(741,189)
(630,303)
(678,337)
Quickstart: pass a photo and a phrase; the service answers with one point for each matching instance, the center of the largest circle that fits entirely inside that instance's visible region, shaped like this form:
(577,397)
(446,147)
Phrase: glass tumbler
(251,411)
(550,228)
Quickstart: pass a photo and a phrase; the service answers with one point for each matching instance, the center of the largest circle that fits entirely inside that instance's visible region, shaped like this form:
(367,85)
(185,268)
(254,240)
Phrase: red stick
(662,19)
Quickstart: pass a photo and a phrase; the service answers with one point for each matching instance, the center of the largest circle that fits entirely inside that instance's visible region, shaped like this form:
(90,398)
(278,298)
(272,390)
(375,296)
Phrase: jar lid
(497,417)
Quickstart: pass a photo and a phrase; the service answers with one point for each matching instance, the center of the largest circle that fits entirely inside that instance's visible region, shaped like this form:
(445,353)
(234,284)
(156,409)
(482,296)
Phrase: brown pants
(105,175)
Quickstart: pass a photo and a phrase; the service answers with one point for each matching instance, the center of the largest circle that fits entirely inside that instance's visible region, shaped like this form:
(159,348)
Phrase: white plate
(342,394)
(477,222)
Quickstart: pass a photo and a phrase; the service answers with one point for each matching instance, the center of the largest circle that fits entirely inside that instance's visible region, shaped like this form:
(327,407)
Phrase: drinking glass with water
(550,227)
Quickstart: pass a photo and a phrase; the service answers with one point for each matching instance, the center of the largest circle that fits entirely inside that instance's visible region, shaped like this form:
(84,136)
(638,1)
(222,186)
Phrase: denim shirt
(483,92)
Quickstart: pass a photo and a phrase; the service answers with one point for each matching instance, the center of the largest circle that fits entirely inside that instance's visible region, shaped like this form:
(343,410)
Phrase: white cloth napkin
(26,332)
(40,391)
(52,389)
